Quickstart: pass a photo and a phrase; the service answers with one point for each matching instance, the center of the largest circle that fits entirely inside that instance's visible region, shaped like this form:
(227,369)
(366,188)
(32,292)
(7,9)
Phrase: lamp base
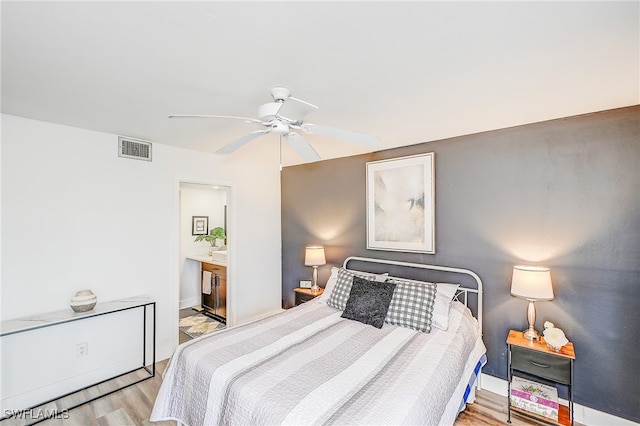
(314,280)
(531,334)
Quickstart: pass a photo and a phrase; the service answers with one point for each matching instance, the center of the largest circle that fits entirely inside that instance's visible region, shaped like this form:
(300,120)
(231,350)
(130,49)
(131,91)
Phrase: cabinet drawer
(302,297)
(220,270)
(550,367)
(304,294)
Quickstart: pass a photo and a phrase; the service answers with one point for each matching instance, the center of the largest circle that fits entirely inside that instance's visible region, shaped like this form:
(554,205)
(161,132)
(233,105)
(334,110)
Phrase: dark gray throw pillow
(368,301)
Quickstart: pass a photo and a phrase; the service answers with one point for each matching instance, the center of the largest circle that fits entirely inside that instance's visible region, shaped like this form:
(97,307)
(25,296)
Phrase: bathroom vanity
(214,284)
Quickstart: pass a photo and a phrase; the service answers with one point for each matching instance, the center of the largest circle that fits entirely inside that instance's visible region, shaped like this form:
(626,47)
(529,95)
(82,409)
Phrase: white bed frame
(461,295)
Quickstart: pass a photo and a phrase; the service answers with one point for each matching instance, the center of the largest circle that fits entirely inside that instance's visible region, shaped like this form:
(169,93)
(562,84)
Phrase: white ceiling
(408,72)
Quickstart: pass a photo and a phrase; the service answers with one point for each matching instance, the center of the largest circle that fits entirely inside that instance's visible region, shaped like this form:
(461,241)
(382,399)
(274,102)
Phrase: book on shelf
(535,397)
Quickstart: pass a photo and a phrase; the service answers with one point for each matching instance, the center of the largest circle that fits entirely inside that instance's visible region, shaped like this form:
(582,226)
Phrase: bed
(312,365)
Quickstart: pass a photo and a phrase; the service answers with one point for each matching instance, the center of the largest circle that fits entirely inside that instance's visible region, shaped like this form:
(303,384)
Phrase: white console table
(52,319)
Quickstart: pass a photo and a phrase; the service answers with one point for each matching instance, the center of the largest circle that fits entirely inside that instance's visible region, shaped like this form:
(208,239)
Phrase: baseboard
(187,303)
(584,415)
(57,387)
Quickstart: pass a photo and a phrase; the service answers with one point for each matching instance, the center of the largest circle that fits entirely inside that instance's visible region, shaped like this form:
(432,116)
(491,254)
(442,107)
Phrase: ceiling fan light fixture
(280,117)
(279,127)
(267,112)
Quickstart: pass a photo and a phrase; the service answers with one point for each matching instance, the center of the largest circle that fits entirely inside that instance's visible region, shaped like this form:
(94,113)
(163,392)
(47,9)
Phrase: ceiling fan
(283,116)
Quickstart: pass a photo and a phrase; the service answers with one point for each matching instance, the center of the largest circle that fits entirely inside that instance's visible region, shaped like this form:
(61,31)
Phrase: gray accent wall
(562,193)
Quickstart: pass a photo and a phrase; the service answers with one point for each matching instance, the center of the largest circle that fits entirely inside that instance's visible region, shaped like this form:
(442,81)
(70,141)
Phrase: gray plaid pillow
(412,305)
(342,290)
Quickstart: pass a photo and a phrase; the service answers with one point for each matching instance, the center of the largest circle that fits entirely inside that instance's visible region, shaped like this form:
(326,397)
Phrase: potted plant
(215,234)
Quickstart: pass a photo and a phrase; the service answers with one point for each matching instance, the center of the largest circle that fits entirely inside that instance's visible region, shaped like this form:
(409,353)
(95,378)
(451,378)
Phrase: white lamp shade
(532,282)
(314,256)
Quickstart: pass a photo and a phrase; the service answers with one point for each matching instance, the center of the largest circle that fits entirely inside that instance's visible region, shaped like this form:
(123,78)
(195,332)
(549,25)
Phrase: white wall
(29,378)
(197,200)
(76,216)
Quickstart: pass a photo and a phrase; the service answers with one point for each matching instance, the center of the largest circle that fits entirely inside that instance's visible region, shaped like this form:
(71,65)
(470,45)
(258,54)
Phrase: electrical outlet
(305,284)
(82,349)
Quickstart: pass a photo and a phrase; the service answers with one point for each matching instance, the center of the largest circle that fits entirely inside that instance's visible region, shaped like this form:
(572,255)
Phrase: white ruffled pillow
(331,283)
(444,295)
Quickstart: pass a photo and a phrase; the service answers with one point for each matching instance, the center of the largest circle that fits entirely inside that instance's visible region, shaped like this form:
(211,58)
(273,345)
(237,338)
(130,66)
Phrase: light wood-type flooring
(133,405)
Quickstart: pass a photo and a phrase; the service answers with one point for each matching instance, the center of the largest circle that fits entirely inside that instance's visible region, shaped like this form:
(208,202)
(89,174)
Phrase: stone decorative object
(83,301)
(554,337)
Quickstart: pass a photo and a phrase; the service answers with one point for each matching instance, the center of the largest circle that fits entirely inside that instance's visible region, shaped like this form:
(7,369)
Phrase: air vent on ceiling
(134,148)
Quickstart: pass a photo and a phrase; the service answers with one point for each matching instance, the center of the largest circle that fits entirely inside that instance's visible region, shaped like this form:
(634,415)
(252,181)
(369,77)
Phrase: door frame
(174,295)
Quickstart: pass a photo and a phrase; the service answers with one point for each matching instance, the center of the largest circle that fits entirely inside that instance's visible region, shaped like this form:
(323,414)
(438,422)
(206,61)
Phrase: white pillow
(331,283)
(444,295)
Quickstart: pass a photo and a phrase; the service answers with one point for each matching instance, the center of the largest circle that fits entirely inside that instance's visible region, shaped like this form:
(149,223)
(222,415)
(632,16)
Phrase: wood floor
(490,409)
(129,406)
(132,406)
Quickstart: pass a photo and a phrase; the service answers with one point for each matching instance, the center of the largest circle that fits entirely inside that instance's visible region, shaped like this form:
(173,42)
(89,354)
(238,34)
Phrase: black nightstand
(306,294)
(535,360)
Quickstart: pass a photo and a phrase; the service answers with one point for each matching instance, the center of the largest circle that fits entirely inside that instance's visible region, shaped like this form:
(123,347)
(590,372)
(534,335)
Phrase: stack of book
(535,397)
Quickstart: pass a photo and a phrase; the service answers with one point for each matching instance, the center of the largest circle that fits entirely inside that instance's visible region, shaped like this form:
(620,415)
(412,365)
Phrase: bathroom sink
(219,256)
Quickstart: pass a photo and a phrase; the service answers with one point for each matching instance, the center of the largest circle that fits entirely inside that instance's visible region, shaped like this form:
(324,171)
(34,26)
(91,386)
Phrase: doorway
(203,211)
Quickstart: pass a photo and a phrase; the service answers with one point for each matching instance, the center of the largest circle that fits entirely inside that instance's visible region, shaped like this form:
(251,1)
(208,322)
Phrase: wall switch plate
(305,283)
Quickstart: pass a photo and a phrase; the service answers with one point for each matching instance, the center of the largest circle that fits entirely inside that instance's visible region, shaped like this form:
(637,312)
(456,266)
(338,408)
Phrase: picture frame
(199,225)
(305,284)
(401,204)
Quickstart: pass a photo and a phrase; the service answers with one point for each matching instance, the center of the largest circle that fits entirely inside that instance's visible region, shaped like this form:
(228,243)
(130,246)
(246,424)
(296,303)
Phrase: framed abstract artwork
(199,225)
(400,204)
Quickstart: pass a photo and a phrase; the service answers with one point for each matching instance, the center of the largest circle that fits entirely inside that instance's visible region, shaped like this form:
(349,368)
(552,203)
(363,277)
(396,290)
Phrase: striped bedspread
(308,365)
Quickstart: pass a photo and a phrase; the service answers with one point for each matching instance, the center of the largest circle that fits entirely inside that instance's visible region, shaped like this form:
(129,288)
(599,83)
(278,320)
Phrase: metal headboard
(461,295)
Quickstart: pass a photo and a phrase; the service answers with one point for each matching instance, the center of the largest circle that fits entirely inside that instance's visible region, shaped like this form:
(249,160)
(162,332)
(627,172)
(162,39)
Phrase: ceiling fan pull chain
(280,153)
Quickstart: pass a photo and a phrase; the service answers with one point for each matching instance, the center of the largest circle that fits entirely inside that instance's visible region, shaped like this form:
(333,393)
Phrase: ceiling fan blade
(295,109)
(252,120)
(229,148)
(347,135)
(302,147)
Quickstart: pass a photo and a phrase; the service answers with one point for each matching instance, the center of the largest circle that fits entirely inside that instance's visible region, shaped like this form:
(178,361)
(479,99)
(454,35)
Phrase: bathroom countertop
(205,258)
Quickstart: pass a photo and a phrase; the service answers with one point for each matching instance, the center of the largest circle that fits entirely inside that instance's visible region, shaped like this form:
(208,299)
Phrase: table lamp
(531,283)
(314,256)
